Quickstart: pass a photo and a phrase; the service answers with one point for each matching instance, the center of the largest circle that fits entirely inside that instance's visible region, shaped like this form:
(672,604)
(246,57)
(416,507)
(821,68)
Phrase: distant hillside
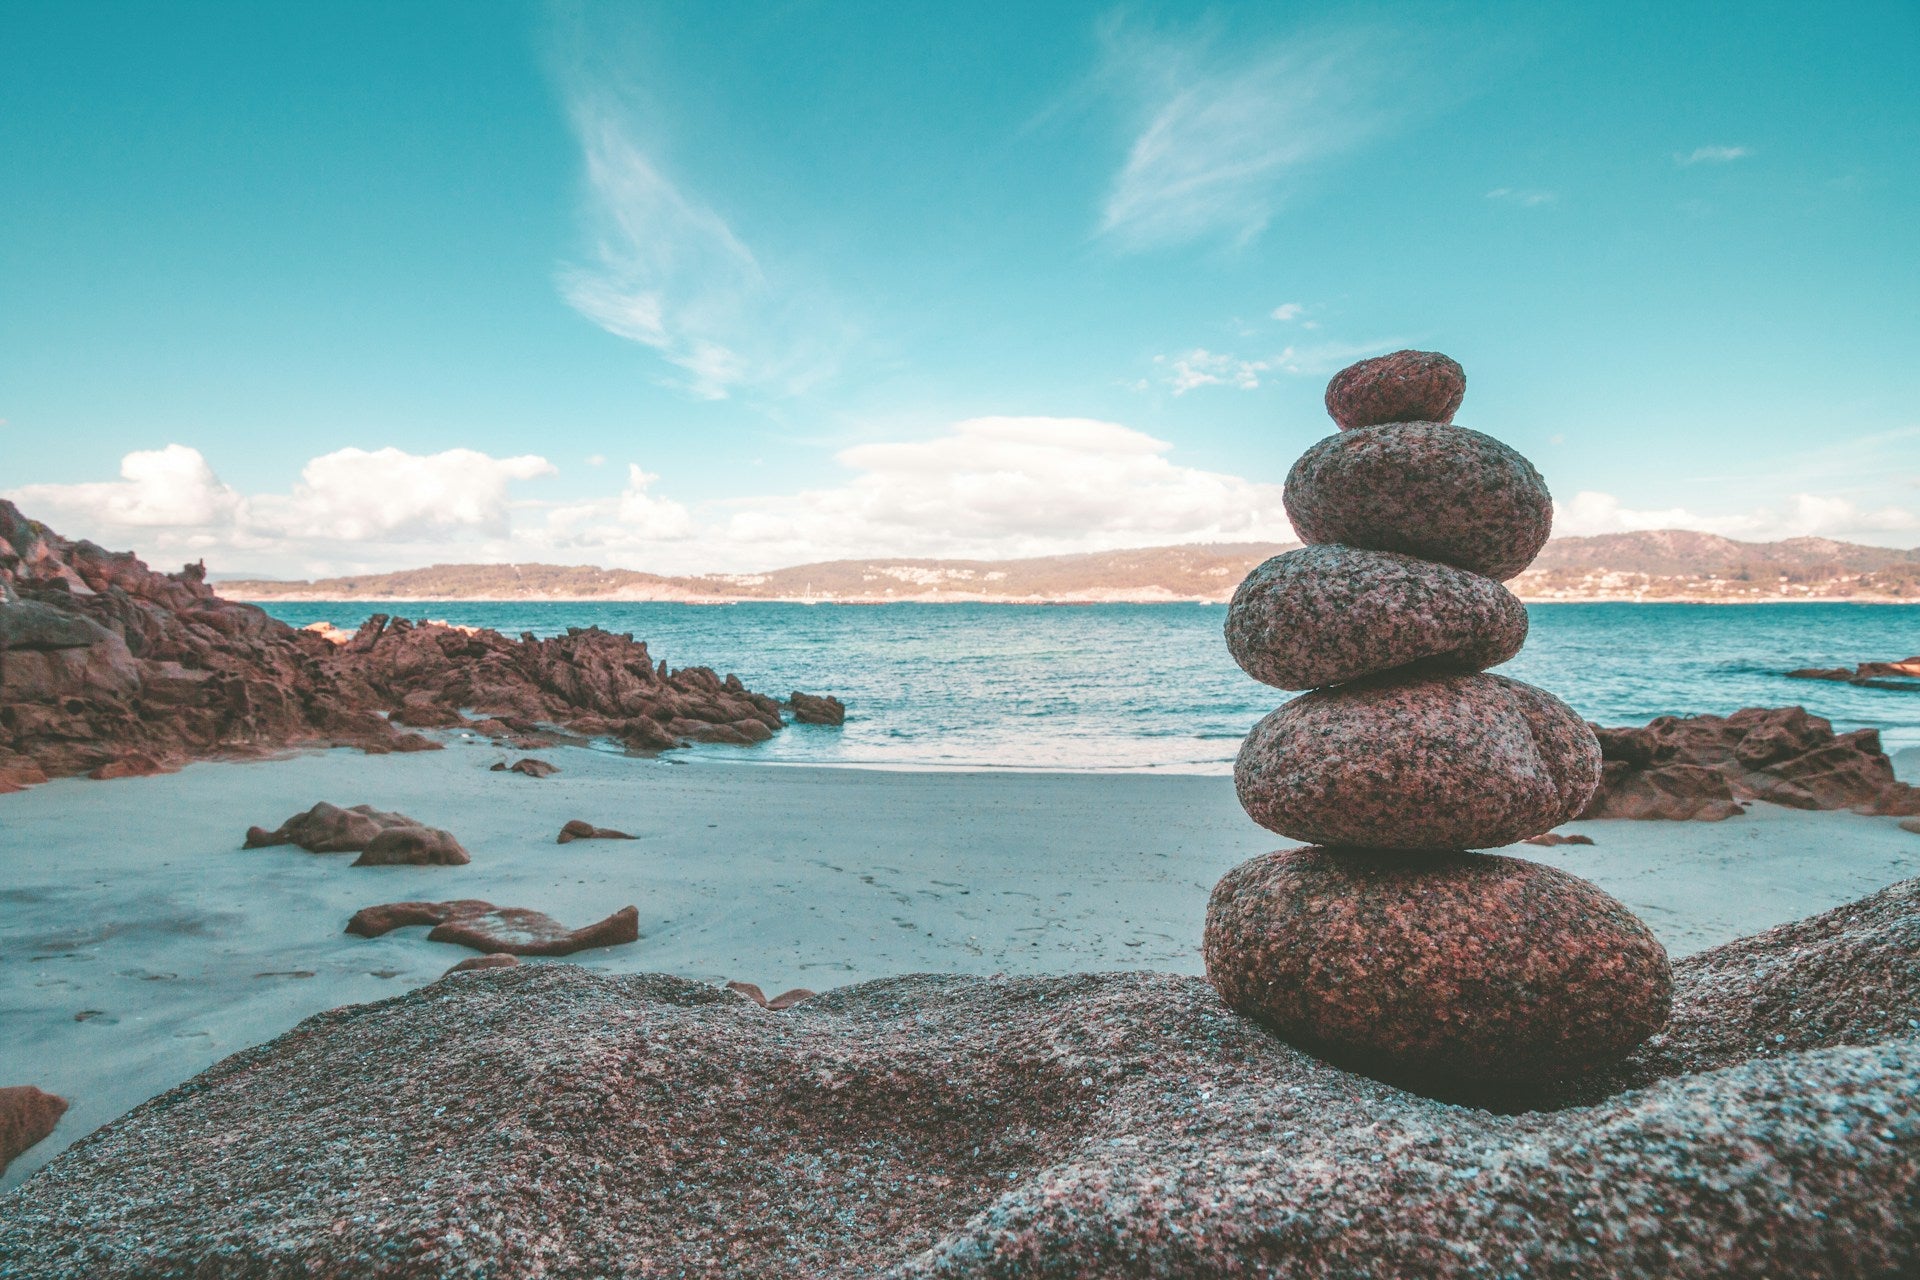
(1661,565)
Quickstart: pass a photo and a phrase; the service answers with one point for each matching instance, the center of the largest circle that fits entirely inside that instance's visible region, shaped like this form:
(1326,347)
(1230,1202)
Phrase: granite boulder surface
(1406,386)
(552,1121)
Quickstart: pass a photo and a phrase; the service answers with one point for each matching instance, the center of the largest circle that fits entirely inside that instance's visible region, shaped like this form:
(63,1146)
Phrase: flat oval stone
(1407,386)
(1418,762)
(1327,614)
(1426,489)
(1436,969)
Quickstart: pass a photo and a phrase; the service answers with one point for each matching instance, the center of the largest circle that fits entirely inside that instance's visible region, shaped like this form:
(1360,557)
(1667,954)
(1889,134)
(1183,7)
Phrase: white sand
(134,899)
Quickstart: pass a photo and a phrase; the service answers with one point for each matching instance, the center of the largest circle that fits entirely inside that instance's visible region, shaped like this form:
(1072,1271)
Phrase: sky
(311,289)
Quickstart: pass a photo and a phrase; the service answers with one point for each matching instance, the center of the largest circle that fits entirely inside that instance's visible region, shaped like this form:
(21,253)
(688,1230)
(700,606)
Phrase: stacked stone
(1386,944)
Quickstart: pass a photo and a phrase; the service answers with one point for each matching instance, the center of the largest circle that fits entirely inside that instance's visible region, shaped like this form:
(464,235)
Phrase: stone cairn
(1386,945)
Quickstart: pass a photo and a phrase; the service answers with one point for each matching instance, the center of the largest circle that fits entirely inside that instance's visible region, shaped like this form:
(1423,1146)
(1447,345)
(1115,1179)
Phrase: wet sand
(139,944)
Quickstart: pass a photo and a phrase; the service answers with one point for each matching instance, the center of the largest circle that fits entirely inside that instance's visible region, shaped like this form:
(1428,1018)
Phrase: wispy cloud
(669,272)
(1526,197)
(1191,370)
(1221,133)
(1288,312)
(1711,155)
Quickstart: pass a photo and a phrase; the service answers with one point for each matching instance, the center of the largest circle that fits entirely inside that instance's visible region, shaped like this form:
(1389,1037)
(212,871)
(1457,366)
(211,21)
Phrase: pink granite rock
(497,960)
(1426,489)
(413,846)
(485,927)
(1444,971)
(1407,386)
(580,829)
(1418,762)
(1327,614)
(26,1116)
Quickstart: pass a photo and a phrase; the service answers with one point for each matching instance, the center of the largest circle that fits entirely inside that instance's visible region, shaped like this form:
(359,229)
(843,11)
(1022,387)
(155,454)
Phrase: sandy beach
(141,944)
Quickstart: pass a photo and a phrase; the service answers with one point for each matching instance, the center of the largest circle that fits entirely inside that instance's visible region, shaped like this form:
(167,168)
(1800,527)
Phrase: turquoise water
(1151,686)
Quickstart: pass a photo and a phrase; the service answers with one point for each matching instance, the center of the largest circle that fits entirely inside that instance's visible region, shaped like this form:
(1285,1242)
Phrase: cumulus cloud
(363,496)
(1711,155)
(1221,132)
(157,488)
(1800,515)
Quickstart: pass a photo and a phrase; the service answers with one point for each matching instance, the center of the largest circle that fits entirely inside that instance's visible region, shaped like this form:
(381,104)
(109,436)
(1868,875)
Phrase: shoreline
(1028,601)
(132,903)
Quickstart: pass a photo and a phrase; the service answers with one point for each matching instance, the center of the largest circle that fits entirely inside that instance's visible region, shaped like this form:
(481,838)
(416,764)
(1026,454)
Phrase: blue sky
(317,288)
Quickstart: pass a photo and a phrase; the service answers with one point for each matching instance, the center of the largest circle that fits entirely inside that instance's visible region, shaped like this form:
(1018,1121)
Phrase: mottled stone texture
(1407,386)
(1327,614)
(469,922)
(381,838)
(1429,490)
(558,1122)
(1418,762)
(1443,971)
(26,1116)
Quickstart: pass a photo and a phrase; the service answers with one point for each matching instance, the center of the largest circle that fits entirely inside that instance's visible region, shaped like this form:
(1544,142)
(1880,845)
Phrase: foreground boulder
(563,1123)
(380,837)
(26,1116)
(1449,973)
(1705,766)
(515,931)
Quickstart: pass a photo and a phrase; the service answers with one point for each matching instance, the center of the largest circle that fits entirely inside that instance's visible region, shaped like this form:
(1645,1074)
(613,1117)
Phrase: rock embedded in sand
(1436,969)
(498,960)
(1424,489)
(785,1000)
(1554,839)
(26,1116)
(518,931)
(528,766)
(933,1128)
(1406,386)
(1326,614)
(578,829)
(380,837)
(1910,824)
(1418,762)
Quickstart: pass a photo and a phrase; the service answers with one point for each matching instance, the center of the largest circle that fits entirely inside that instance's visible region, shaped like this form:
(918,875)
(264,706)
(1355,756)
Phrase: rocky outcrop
(1705,767)
(110,669)
(809,709)
(516,931)
(1903,675)
(26,1116)
(580,829)
(1125,1124)
(379,837)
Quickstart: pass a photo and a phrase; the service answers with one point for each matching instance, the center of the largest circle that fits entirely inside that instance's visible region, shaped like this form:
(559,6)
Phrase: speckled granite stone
(564,1123)
(1418,762)
(1407,386)
(1436,970)
(1327,614)
(1430,490)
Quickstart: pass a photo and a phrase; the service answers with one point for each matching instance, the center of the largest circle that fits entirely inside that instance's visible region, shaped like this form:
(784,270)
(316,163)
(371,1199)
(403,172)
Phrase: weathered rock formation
(1705,767)
(580,829)
(26,1116)
(1903,675)
(809,709)
(1391,947)
(528,767)
(110,669)
(517,931)
(379,837)
(553,1121)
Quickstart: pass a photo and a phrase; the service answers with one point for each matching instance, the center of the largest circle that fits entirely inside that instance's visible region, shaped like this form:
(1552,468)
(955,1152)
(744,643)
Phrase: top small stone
(1407,386)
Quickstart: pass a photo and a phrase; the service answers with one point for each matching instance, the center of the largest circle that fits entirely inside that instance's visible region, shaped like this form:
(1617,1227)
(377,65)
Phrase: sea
(1116,687)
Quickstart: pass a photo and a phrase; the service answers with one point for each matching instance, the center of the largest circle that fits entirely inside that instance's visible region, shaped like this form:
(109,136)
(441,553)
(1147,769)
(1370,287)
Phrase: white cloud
(1800,515)
(1530,198)
(1287,312)
(668,272)
(1220,134)
(1202,368)
(1711,155)
(157,488)
(359,495)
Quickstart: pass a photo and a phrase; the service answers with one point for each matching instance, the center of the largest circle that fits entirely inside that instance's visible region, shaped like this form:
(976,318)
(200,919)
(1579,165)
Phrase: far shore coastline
(297,597)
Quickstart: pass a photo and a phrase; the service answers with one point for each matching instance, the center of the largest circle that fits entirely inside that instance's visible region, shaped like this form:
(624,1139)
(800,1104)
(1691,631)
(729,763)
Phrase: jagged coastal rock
(112,670)
(1418,762)
(1427,489)
(1504,971)
(546,1120)
(1327,614)
(1407,386)
(1389,945)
